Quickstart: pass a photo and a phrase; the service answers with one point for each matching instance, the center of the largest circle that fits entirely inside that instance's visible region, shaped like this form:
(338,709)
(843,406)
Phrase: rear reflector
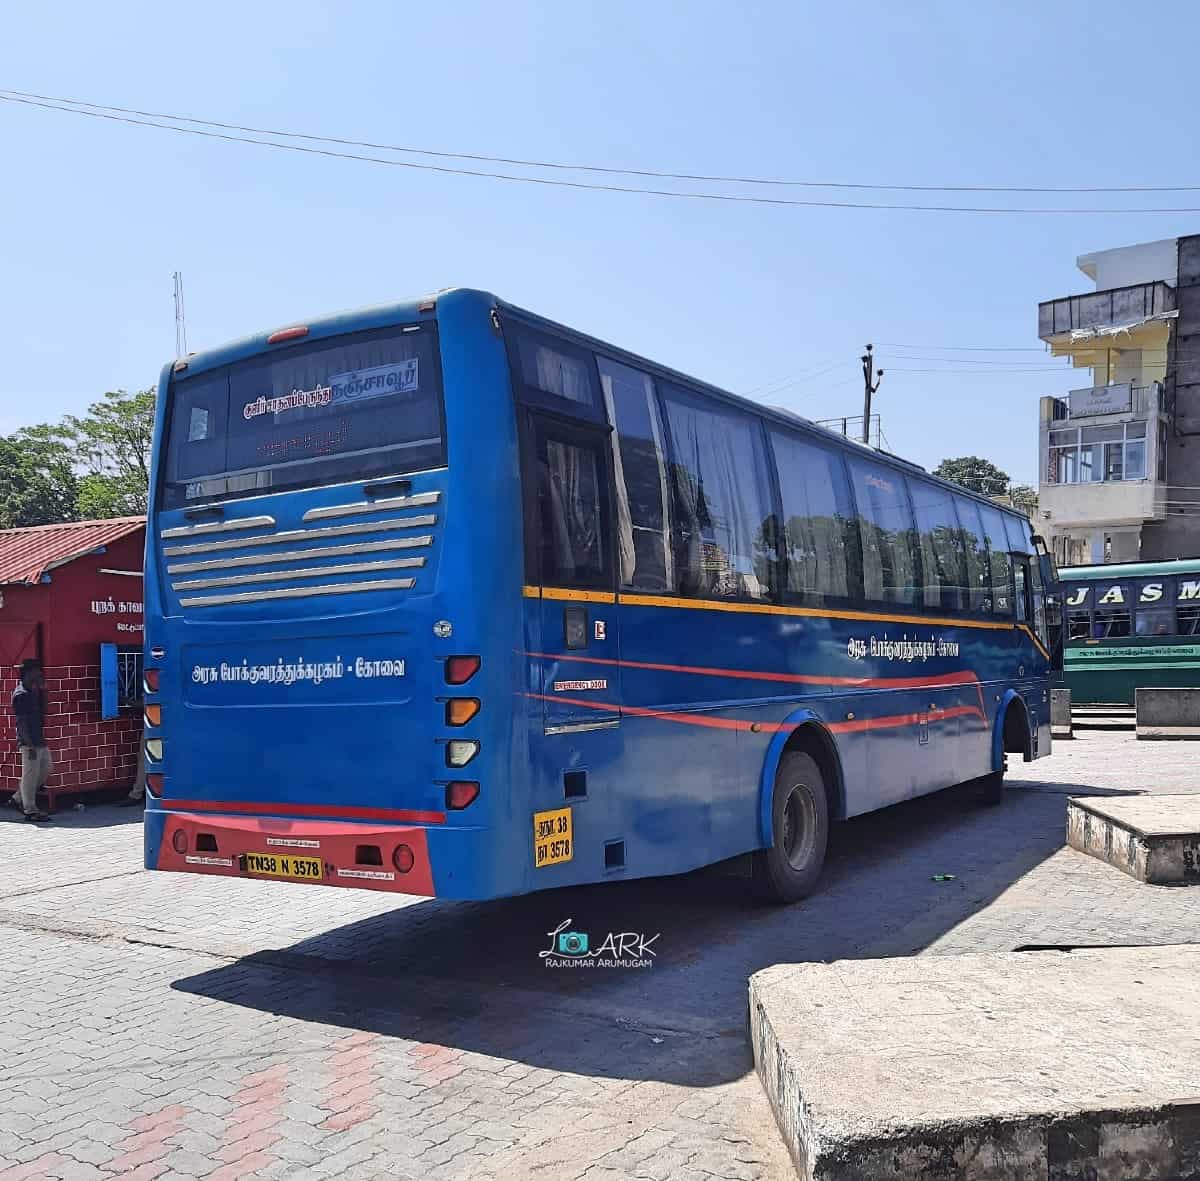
(460,710)
(179,841)
(154,715)
(403,858)
(460,669)
(288,334)
(154,782)
(460,793)
(150,677)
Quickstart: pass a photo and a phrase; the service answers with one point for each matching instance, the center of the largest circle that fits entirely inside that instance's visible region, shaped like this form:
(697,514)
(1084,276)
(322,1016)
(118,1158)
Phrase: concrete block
(1168,713)
(1155,839)
(1060,713)
(984,1067)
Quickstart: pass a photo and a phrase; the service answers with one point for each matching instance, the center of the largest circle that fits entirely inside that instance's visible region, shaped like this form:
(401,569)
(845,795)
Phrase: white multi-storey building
(1120,456)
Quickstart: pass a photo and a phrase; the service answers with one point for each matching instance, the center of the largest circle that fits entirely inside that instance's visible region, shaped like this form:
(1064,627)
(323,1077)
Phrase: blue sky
(95,216)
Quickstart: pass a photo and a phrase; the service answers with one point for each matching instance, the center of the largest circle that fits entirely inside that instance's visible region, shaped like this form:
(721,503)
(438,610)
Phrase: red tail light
(150,677)
(460,669)
(179,841)
(403,858)
(154,782)
(460,793)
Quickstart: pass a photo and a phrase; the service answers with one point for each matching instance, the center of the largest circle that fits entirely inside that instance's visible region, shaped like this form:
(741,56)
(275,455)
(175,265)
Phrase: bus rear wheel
(788,870)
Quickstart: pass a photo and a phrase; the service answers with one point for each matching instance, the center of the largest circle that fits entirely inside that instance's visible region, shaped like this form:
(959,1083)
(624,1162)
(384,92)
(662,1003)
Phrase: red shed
(72,595)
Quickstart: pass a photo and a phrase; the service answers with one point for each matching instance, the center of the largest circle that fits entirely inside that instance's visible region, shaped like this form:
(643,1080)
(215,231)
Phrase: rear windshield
(353,407)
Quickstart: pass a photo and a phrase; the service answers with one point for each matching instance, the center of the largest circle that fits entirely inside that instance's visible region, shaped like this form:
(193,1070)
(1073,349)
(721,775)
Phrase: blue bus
(445,598)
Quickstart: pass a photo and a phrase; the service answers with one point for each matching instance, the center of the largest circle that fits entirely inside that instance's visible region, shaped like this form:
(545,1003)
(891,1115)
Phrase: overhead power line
(610,171)
(116,115)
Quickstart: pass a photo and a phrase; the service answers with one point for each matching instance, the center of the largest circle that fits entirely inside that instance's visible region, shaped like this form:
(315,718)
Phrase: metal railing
(1146,399)
(129,678)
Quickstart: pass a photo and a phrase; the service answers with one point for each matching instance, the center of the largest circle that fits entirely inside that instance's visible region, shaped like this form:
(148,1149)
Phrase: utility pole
(869,373)
(180,319)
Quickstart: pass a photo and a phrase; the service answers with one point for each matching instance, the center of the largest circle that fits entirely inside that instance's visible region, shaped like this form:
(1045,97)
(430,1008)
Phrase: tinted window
(819,533)
(942,558)
(979,575)
(1000,562)
(1020,582)
(888,533)
(571,513)
(338,409)
(557,367)
(643,530)
(1018,532)
(723,520)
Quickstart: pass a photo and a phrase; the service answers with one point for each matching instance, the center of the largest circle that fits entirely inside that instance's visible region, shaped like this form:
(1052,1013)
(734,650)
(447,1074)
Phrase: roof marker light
(288,334)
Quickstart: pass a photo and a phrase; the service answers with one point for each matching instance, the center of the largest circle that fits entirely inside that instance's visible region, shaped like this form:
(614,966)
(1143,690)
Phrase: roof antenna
(180,317)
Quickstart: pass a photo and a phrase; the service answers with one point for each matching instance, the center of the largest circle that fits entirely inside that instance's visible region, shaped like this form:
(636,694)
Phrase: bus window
(1017,531)
(1187,607)
(1154,613)
(1020,583)
(724,520)
(1079,623)
(942,558)
(643,520)
(888,534)
(1037,599)
(1111,617)
(558,368)
(819,532)
(572,548)
(999,560)
(978,571)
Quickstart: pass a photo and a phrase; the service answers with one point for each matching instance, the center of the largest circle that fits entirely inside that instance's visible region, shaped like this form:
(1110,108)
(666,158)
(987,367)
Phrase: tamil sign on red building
(72,596)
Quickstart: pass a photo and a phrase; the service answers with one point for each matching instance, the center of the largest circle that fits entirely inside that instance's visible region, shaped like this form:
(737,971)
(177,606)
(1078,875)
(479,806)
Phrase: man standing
(29,707)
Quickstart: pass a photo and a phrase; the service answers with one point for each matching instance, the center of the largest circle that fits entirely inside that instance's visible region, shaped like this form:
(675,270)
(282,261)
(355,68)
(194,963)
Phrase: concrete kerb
(984,1067)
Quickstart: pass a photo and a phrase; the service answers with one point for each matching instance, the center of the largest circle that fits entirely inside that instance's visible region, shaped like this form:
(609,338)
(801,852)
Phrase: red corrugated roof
(27,554)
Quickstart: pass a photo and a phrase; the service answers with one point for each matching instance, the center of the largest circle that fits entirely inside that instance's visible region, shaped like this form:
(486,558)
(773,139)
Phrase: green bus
(1130,626)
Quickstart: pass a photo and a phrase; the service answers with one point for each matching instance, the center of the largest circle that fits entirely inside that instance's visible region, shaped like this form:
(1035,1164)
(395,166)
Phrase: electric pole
(869,375)
(180,319)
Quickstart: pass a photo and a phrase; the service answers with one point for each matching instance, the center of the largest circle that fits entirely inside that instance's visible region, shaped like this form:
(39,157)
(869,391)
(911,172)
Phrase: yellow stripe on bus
(582,596)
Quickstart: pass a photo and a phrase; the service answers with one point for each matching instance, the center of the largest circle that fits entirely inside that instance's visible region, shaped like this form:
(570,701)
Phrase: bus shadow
(469,976)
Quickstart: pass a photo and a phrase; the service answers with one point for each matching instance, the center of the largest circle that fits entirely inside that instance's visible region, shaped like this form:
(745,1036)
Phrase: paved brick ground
(165,1026)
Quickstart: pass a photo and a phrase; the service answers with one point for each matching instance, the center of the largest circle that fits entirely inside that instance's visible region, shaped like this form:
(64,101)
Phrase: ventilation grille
(208,567)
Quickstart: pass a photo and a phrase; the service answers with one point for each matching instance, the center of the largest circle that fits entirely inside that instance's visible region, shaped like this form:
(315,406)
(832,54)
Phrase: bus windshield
(349,407)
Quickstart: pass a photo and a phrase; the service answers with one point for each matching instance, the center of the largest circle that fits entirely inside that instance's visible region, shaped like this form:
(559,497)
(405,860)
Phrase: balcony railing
(1098,310)
(1143,400)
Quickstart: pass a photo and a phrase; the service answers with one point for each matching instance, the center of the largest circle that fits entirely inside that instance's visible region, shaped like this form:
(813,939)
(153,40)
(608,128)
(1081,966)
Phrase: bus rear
(336,516)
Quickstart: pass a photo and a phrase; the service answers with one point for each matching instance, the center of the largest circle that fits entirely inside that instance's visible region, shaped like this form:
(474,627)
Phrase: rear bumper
(359,856)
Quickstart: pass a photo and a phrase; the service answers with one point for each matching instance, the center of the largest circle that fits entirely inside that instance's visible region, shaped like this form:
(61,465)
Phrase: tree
(1024,498)
(980,475)
(111,445)
(38,485)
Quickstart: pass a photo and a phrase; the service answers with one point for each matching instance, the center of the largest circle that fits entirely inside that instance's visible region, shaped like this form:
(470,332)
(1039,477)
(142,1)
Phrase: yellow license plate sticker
(283,865)
(553,838)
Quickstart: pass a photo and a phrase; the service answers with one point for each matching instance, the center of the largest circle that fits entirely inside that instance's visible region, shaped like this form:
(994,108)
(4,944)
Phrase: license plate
(281,865)
(552,837)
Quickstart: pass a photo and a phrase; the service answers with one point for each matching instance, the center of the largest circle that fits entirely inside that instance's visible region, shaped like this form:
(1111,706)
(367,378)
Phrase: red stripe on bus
(962,677)
(321,811)
(718,723)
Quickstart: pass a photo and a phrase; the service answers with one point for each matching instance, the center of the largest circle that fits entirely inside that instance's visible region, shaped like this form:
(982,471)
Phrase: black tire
(788,870)
(991,789)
